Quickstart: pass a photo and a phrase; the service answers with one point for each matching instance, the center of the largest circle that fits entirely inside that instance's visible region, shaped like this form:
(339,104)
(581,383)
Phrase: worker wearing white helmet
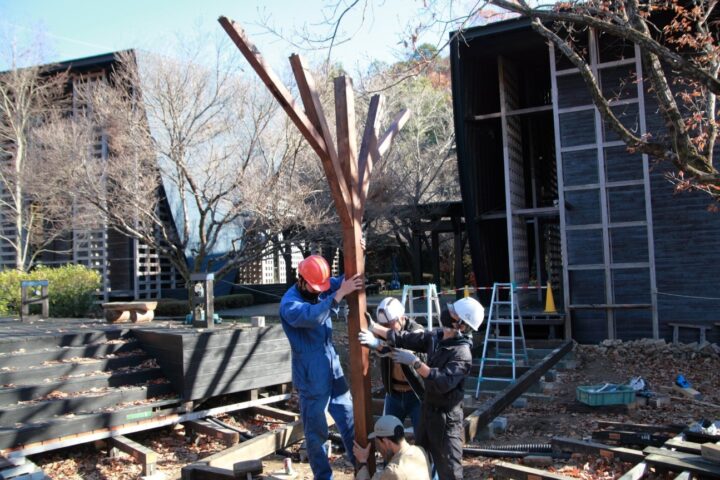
(449,360)
(403,386)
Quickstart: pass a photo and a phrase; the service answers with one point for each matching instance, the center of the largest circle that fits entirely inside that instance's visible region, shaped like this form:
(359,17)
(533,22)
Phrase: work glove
(406,357)
(370,322)
(368,339)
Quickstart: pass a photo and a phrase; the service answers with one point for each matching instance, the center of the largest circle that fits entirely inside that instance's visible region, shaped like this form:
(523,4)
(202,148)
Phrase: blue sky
(77,28)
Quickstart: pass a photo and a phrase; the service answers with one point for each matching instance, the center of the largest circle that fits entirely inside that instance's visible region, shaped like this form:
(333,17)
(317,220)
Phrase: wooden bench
(701,328)
(136,312)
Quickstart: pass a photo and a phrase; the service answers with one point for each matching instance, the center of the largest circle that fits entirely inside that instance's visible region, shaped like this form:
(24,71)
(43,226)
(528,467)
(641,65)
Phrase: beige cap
(385,426)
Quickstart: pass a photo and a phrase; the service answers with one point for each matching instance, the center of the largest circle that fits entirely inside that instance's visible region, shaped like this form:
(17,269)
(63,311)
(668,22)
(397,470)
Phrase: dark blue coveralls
(317,374)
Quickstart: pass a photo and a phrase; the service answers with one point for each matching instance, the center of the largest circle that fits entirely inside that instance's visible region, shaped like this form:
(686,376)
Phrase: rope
(686,296)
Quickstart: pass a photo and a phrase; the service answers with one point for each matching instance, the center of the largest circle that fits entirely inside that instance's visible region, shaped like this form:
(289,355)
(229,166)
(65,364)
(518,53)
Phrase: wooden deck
(70,377)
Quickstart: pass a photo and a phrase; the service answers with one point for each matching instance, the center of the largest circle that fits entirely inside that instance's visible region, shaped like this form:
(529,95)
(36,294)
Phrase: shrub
(170,307)
(180,308)
(236,300)
(71,292)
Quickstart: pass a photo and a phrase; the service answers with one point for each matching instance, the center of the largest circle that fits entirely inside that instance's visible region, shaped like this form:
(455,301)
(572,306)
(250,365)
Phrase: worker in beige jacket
(403,461)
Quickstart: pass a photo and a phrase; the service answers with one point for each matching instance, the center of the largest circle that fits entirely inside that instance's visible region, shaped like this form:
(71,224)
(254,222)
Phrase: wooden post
(348,176)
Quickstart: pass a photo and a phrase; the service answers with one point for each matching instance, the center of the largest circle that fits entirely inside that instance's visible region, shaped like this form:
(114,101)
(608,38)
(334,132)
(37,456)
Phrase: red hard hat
(316,272)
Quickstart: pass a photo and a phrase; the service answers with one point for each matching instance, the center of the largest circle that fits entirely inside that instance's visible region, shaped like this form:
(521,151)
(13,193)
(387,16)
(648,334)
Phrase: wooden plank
(48,409)
(683,446)
(635,473)
(10,396)
(492,407)
(691,463)
(146,457)
(347,144)
(520,472)
(38,357)
(711,452)
(258,447)
(641,427)
(314,110)
(272,412)
(213,430)
(368,148)
(631,438)
(36,375)
(564,444)
(63,426)
(198,471)
(385,141)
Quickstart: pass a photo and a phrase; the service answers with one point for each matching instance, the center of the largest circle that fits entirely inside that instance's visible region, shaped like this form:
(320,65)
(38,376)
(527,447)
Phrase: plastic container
(605,394)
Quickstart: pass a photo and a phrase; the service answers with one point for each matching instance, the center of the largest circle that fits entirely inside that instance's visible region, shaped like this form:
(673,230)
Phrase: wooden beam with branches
(348,174)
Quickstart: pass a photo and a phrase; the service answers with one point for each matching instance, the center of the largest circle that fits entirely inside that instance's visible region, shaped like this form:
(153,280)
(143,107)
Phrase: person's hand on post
(368,339)
(363,244)
(405,357)
(361,454)
(349,285)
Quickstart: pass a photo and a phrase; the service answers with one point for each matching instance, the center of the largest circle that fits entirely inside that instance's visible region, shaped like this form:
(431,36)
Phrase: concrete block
(500,424)
(257,321)
(520,403)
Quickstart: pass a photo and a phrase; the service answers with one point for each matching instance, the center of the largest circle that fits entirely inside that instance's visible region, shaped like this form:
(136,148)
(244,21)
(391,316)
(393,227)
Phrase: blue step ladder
(504,313)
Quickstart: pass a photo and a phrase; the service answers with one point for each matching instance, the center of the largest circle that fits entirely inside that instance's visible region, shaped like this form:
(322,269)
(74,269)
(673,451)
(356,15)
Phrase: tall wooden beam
(348,177)
(354,262)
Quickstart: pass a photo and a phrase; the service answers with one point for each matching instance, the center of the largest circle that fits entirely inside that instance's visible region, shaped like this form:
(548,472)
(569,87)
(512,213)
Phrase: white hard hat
(389,310)
(470,311)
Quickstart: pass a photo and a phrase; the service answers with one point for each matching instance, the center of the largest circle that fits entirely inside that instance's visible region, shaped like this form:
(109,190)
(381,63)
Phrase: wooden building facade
(128,268)
(550,193)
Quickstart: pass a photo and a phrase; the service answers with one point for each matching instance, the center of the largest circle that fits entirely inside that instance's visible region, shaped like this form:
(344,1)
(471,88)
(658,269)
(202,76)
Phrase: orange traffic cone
(549,300)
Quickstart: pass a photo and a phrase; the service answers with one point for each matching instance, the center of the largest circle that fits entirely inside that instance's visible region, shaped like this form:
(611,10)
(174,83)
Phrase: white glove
(406,357)
(368,339)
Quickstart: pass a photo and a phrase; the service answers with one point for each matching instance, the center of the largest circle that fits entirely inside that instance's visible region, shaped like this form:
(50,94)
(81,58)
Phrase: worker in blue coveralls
(316,371)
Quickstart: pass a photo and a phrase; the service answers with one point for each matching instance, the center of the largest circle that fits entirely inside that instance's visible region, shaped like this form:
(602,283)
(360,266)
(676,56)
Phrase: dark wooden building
(128,268)
(550,193)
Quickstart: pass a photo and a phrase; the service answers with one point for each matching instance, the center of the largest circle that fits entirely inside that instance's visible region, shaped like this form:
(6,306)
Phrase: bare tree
(199,166)
(422,167)
(33,202)
(677,41)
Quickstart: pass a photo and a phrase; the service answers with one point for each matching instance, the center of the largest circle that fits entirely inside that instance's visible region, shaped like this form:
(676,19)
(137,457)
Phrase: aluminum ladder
(430,294)
(504,311)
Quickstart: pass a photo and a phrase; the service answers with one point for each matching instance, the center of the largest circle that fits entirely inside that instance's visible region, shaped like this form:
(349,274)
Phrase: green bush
(236,300)
(180,308)
(168,307)
(72,289)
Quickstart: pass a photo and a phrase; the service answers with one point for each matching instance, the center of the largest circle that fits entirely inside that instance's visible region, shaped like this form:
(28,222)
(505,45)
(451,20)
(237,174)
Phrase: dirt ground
(557,415)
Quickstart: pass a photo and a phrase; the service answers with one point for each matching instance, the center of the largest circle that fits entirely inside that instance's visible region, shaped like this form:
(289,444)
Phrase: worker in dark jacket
(403,386)
(316,371)
(448,364)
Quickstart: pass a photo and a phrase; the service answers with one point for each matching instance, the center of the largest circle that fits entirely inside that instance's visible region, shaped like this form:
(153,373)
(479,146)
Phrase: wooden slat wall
(210,363)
